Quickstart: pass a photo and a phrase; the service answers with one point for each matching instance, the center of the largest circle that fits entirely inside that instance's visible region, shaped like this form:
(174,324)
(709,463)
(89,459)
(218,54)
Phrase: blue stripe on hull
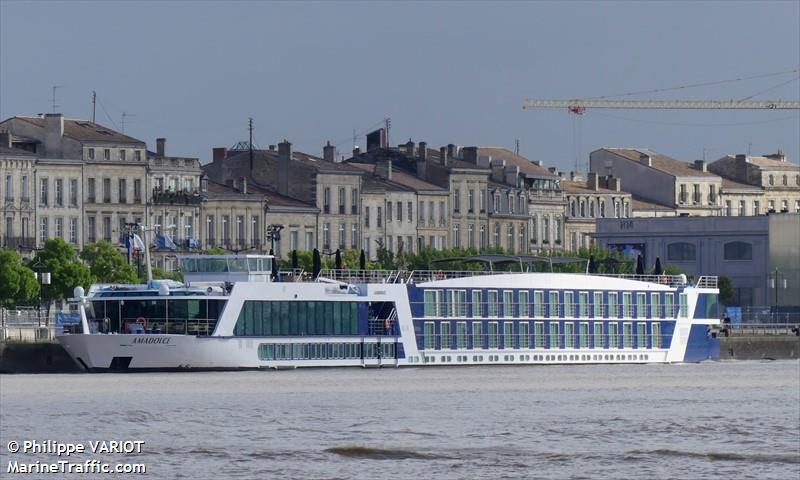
(700,345)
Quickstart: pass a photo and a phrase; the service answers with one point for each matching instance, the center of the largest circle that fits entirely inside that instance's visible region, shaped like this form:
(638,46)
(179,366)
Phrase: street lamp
(43,276)
(273,235)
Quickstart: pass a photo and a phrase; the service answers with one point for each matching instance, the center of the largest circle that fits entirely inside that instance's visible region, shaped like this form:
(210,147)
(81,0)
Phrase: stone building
(17,168)
(686,188)
(596,198)
(332,188)
(758,184)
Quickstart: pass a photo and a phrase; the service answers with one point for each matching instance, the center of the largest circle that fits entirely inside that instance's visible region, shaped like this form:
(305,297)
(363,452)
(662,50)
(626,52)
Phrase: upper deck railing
(421,276)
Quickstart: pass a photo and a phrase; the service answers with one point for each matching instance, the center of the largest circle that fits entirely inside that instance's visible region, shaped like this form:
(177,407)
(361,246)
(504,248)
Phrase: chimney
(356,152)
(498,168)
(161,146)
(219,153)
(592,182)
(471,155)
(512,175)
(284,158)
(410,148)
(701,165)
(451,150)
(551,170)
(741,170)
(484,161)
(5,139)
(328,153)
(422,168)
(443,156)
(645,159)
(423,151)
(383,168)
(271,148)
(243,184)
(54,131)
(614,184)
(575,176)
(779,156)
(376,139)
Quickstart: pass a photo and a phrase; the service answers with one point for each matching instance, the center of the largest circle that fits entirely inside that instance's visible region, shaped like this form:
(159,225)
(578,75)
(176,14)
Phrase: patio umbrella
(639,265)
(592,266)
(658,270)
(295,263)
(362,260)
(316,264)
(338,259)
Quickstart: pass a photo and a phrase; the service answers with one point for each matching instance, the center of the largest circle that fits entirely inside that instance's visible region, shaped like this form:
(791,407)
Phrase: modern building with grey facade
(760,254)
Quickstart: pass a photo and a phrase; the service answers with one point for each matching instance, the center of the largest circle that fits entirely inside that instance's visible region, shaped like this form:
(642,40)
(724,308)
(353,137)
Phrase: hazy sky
(445,72)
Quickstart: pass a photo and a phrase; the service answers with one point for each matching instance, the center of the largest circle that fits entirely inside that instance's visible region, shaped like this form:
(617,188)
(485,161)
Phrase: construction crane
(578,106)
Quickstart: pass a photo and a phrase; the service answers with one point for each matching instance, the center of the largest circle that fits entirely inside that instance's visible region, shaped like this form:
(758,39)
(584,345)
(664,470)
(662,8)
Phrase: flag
(163,241)
(137,244)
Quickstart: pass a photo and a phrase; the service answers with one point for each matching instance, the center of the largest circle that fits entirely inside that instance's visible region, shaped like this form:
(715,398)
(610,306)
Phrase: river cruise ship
(232,313)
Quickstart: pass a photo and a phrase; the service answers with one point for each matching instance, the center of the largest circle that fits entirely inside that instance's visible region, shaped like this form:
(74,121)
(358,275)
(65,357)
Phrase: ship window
(477,310)
(598,335)
(280,318)
(553,338)
(538,335)
(430,303)
(508,303)
(641,299)
(538,304)
(553,310)
(523,304)
(598,305)
(641,335)
(445,338)
(627,335)
(654,305)
(613,339)
(656,335)
(429,336)
(494,306)
(493,333)
(524,334)
(477,335)
(569,335)
(569,304)
(583,335)
(508,335)
(461,335)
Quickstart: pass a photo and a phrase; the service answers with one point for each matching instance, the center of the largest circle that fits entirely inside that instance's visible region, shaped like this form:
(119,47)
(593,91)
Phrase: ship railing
(707,281)
(360,276)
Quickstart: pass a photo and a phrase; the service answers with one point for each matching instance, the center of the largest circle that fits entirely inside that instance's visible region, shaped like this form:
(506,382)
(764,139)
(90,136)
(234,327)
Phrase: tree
(19,282)
(67,272)
(107,264)
(727,292)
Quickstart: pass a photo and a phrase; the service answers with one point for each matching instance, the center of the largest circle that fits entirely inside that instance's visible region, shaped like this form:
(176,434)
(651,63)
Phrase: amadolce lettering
(151,340)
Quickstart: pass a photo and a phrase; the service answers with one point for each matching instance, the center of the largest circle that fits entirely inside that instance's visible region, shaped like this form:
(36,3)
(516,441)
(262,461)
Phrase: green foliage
(216,251)
(161,274)
(67,272)
(19,285)
(727,292)
(107,264)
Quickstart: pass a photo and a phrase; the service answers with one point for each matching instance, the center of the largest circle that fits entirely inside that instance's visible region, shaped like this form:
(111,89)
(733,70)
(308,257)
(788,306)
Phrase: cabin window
(494,306)
(613,306)
(569,304)
(477,311)
(641,335)
(524,334)
(445,338)
(569,335)
(283,318)
(461,335)
(508,335)
(627,308)
(641,300)
(493,333)
(508,303)
(627,335)
(441,304)
(477,335)
(583,304)
(598,335)
(669,305)
(583,335)
(656,335)
(523,304)
(459,303)
(429,337)
(613,339)
(554,305)
(654,305)
(538,304)
(684,306)
(538,335)
(597,306)
(554,337)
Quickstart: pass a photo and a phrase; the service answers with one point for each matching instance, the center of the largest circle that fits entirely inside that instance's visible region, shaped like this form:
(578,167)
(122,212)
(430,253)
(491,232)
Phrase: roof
(728,184)
(434,156)
(401,178)
(582,187)
(221,191)
(525,166)
(85,131)
(639,203)
(302,158)
(770,162)
(275,199)
(661,162)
